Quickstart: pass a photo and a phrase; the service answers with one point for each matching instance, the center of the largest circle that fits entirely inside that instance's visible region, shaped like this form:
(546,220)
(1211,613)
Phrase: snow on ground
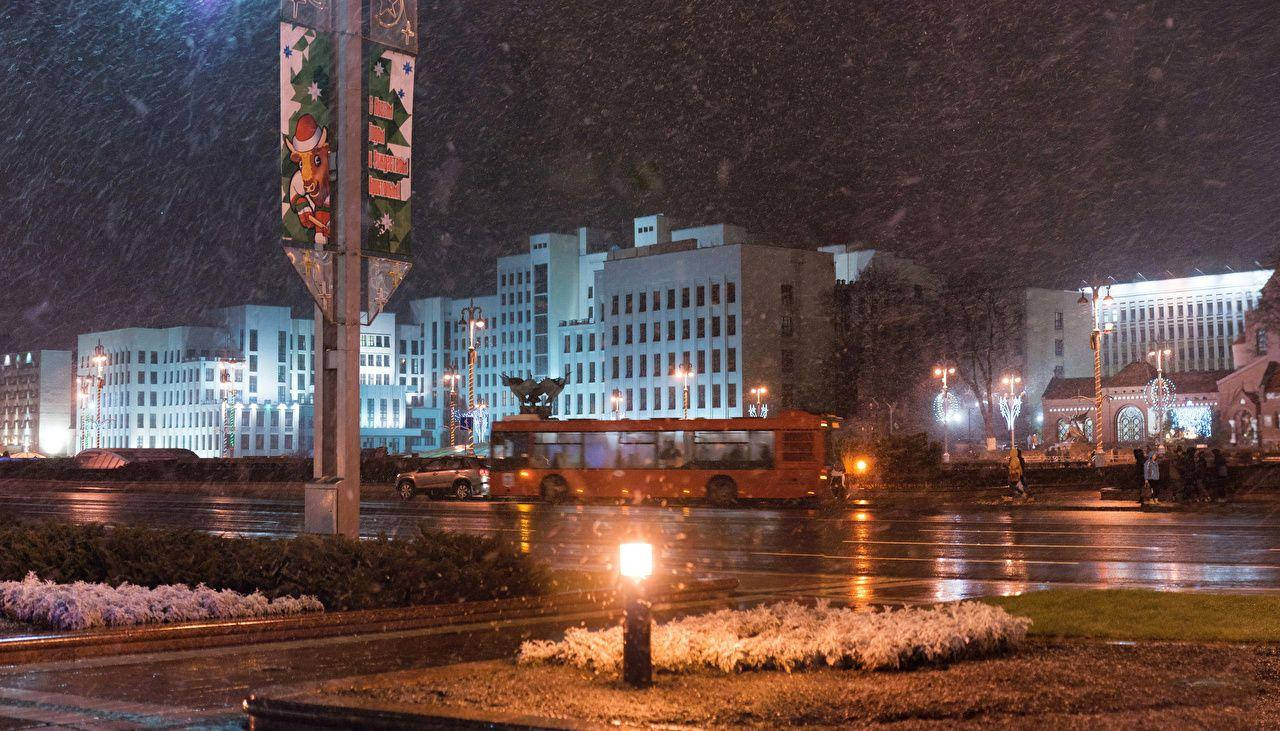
(792,636)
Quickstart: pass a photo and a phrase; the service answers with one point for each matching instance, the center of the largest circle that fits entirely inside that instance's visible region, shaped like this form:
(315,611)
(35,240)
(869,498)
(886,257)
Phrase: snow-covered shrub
(82,606)
(790,636)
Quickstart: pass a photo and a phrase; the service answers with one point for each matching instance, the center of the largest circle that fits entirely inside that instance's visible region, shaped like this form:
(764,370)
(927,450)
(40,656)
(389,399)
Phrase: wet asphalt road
(863,554)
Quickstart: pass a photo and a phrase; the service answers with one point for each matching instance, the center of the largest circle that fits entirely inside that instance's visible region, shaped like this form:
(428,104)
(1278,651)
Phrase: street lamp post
(759,409)
(472,317)
(945,372)
(99,361)
(616,399)
(685,372)
(450,380)
(227,386)
(1095,300)
(1159,394)
(1011,404)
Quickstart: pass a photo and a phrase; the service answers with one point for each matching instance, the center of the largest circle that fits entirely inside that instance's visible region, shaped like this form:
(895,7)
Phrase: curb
(203,635)
(282,714)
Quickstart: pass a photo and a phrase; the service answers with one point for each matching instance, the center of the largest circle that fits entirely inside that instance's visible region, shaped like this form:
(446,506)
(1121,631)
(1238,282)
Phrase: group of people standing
(1182,475)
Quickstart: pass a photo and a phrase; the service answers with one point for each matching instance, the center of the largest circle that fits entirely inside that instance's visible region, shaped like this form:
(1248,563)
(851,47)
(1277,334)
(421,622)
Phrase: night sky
(138,140)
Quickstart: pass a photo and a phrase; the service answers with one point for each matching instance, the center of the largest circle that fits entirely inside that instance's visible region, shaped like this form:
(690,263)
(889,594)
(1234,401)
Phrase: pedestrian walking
(1151,474)
(1017,473)
(1220,473)
(1139,470)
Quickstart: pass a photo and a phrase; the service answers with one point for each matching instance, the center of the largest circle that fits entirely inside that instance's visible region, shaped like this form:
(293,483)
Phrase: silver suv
(458,477)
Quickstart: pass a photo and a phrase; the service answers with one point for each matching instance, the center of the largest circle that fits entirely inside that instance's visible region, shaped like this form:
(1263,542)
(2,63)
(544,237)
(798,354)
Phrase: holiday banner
(307,137)
(388,143)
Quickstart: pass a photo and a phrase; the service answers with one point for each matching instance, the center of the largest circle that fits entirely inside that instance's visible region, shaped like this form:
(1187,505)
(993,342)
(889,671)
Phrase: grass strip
(1141,614)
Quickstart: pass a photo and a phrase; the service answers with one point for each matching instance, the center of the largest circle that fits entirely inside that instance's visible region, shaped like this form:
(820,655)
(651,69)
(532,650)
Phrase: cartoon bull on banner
(309,187)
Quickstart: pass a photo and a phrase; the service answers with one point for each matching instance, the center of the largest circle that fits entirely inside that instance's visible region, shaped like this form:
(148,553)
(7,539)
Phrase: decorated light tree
(1159,394)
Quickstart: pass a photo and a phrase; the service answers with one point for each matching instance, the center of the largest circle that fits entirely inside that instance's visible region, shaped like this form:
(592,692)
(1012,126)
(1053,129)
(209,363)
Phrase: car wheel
(461,489)
(406,489)
(722,492)
(555,489)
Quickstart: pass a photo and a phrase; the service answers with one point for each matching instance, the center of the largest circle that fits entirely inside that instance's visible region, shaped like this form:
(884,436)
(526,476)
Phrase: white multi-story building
(1197,317)
(611,320)
(164,387)
(35,402)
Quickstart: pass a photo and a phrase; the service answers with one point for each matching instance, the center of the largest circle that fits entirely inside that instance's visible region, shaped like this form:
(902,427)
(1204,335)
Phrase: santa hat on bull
(307,135)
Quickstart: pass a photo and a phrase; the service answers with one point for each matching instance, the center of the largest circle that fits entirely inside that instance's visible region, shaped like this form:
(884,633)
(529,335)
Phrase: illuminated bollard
(635,563)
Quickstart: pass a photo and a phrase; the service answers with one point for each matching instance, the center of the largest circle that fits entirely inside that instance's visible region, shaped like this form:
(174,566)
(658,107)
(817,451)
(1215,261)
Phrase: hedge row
(433,568)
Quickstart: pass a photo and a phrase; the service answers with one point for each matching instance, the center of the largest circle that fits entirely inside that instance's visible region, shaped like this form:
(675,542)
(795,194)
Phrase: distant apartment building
(35,402)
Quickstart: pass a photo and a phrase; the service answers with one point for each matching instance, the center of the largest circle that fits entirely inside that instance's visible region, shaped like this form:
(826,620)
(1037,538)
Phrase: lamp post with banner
(346,127)
(759,409)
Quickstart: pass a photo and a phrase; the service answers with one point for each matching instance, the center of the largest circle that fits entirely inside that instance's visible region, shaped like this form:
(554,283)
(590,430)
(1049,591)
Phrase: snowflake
(385,223)
(314,91)
(378,70)
(288,52)
(400,93)
(407,68)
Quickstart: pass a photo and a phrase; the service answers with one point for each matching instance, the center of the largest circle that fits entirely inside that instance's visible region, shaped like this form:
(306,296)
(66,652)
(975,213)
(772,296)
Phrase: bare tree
(980,322)
(882,341)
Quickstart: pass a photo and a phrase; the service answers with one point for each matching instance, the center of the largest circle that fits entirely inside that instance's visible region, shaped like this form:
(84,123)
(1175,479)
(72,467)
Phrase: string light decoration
(950,413)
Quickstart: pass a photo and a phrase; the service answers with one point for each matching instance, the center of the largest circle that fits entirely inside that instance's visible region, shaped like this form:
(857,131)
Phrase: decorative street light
(685,373)
(759,408)
(945,372)
(635,564)
(1095,301)
(472,317)
(450,380)
(99,361)
(616,399)
(1011,404)
(1159,392)
(227,386)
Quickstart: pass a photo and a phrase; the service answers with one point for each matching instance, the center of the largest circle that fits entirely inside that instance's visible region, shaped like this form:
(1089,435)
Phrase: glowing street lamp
(685,373)
(99,361)
(1011,403)
(758,408)
(1095,301)
(450,380)
(1159,392)
(945,372)
(227,377)
(616,399)
(473,318)
(635,564)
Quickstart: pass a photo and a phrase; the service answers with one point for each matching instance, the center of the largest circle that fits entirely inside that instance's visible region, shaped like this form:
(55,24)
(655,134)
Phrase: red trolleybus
(720,460)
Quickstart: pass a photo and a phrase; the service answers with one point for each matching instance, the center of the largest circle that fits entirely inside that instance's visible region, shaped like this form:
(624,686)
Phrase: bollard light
(635,560)
(635,563)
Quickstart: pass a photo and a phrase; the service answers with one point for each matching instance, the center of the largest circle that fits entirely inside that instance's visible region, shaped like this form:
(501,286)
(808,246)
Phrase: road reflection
(860,554)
